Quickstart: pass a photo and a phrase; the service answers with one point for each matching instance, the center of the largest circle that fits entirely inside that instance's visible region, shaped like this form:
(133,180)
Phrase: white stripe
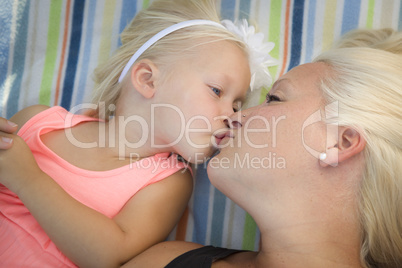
(386,13)
(10,77)
(338,20)
(318,27)
(218,5)
(363,14)
(236,10)
(95,48)
(7,88)
(253,9)
(263,16)
(377,14)
(36,53)
(395,14)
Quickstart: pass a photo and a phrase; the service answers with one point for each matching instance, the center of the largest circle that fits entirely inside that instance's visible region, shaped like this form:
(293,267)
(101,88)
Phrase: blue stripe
(20,49)
(5,33)
(228,9)
(297,28)
(73,53)
(87,52)
(218,215)
(128,11)
(200,207)
(244,8)
(257,239)
(350,19)
(310,30)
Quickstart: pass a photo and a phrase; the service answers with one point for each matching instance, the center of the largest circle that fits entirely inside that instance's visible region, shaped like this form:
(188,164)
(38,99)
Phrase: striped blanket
(49,49)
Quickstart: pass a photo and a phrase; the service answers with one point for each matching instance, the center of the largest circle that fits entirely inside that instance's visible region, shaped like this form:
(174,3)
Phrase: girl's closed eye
(237,106)
(271,98)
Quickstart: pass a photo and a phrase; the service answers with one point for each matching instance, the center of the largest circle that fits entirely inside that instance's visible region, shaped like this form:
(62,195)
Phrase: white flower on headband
(259,57)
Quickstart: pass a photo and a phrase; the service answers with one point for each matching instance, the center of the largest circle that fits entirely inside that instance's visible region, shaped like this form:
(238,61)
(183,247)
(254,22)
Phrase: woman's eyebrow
(280,81)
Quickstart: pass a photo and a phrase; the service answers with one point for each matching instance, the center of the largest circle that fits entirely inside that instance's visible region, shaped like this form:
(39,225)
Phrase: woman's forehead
(304,78)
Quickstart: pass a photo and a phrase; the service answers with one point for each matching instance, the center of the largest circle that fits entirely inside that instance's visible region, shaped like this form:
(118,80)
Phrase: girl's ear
(143,76)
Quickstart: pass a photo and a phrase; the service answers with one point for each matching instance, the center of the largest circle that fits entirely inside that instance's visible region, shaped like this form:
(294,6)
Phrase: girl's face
(200,93)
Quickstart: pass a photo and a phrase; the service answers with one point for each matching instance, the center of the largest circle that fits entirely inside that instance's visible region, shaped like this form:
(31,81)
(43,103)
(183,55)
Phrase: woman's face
(279,140)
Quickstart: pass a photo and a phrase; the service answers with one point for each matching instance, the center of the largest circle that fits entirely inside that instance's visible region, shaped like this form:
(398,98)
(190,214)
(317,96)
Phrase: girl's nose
(230,122)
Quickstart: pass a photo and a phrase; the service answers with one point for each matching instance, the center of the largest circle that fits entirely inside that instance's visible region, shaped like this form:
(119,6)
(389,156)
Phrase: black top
(201,257)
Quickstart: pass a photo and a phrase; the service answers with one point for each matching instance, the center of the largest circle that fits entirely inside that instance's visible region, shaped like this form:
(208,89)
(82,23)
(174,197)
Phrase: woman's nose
(237,119)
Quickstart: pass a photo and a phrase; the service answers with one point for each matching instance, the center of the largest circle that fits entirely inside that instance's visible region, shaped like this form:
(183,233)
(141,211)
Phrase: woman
(336,199)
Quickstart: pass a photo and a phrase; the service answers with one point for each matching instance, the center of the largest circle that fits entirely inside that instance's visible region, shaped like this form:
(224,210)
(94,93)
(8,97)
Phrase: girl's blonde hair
(165,52)
(367,83)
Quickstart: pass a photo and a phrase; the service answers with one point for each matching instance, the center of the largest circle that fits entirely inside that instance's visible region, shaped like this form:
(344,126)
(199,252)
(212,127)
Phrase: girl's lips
(221,136)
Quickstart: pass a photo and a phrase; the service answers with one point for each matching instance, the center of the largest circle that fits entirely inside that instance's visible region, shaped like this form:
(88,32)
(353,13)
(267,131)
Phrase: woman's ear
(143,76)
(350,143)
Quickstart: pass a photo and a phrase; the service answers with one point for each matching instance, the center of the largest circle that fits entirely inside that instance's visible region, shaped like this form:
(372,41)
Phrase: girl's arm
(87,237)
(161,254)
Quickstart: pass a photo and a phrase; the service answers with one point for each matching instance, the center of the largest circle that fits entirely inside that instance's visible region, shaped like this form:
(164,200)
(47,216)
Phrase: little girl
(87,194)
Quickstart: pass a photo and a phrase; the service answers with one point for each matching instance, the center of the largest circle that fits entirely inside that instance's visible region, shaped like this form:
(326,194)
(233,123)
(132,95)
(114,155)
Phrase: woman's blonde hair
(165,52)
(367,83)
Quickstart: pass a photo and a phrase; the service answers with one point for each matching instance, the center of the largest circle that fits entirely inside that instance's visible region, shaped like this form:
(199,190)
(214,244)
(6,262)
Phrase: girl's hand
(17,163)
(6,128)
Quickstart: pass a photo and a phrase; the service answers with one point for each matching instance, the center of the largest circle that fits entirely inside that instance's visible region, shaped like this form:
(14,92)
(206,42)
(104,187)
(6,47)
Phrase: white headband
(161,34)
(259,58)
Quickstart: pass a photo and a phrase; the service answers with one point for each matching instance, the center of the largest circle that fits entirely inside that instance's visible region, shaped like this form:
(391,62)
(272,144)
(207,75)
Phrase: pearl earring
(323,156)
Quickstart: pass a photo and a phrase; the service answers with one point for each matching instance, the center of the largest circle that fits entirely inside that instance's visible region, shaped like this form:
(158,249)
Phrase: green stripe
(145,4)
(107,31)
(249,234)
(370,14)
(274,36)
(51,52)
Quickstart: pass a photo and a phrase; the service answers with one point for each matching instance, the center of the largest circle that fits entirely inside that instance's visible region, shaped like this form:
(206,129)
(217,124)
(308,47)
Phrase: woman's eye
(272,98)
(216,91)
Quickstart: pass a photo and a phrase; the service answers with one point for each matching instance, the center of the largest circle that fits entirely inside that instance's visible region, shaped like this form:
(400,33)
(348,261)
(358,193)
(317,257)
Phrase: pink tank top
(23,243)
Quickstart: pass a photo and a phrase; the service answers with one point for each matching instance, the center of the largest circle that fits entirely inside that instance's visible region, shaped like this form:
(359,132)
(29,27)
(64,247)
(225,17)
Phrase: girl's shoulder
(23,116)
